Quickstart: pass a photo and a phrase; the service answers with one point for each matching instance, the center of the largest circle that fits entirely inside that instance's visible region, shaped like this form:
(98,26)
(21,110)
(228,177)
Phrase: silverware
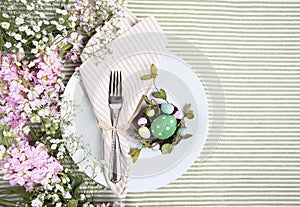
(115,103)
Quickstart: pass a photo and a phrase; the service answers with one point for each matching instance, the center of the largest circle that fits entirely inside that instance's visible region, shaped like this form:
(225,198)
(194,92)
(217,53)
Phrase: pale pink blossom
(29,166)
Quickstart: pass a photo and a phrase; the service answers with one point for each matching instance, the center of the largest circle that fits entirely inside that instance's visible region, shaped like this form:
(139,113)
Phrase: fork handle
(115,162)
(115,168)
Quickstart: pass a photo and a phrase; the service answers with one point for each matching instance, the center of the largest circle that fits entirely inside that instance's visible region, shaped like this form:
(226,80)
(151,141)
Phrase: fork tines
(115,83)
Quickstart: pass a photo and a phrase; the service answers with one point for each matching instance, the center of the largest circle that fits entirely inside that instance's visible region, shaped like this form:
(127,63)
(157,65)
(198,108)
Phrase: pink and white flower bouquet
(34,47)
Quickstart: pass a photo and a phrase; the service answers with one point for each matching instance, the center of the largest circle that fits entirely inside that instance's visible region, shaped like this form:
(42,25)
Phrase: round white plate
(152,170)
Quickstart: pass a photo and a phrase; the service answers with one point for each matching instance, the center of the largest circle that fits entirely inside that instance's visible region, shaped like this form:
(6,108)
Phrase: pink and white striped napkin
(133,52)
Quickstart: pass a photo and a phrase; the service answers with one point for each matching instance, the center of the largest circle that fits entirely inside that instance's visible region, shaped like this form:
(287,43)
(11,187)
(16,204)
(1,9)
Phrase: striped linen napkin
(133,52)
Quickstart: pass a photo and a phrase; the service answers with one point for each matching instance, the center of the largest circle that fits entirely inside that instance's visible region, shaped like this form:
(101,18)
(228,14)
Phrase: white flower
(36,203)
(24,1)
(58,205)
(5,25)
(29,32)
(53,146)
(85,204)
(46,22)
(67,195)
(35,118)
(18,37)
(23,28)
(42,15)
(24,41)
(5,15)
(61,11)
(7,45)
(54,22)
(61,20)
(72,18)
(2,152)
(30,7)
(44,112)
(36,28)
(19,21)
(55,197)
(18,45)
(34,51)
(82,197)
(45,39)
(60,188)
(60,27)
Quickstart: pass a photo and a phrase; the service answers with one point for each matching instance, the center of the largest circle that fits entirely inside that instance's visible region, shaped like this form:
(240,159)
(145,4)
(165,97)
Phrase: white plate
(152,170)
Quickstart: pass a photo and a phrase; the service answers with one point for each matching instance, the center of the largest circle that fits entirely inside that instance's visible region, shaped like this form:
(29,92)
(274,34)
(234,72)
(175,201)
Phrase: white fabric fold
(132,53)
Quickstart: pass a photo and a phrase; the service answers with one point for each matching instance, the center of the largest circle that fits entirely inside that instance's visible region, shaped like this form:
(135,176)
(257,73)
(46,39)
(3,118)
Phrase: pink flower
(25,91)
(28,166)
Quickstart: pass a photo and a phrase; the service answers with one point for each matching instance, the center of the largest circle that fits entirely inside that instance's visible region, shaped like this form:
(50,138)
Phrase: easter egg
(144,132)
(142,121)
(163,126)
(179,115)
(167,108)
(150,112)
(155,147)
(182,131)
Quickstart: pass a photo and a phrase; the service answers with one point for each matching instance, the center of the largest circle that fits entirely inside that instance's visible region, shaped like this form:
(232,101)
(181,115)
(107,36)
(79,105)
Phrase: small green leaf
(188,112)
(146,77)
(163,94)
(188,107)
(32,134)
(167,148)
(135,153)
(156,94)
(190,115)
(146,99)
(186,136)
(153,71)
(176,139)
(76,182)
(147,144)
(73,203)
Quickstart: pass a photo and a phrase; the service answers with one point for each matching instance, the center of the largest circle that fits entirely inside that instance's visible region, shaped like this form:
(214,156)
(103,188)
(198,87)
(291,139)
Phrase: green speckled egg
(163,126)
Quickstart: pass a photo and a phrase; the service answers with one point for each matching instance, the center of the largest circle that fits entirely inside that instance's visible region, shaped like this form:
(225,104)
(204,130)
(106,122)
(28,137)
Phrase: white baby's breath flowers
(67,195)
(34,51)
(60,27)
(5,25)
(61,11)
(30,7)
(54,146)
(37,202)
(19,21)
(58,204)
(36,28)
(29,32)
(23,28)
(55,198)
(18,37)
(5,15)
(8,45)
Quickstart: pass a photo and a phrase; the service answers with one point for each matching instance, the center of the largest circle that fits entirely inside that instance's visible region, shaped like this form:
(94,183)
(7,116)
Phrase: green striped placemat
(249,63)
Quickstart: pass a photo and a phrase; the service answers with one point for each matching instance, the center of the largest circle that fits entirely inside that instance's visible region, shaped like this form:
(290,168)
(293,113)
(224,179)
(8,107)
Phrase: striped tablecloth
(253,83)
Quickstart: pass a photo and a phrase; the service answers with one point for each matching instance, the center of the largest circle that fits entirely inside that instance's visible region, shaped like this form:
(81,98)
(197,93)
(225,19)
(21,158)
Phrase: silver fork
(115,103)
